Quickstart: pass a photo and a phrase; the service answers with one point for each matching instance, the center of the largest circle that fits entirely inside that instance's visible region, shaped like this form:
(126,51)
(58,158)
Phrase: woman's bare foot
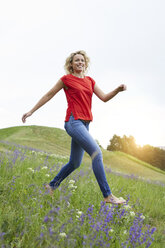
(49,189)
(114,200)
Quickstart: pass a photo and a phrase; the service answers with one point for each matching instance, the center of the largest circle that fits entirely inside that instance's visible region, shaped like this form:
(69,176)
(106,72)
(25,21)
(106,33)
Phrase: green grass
(29,217)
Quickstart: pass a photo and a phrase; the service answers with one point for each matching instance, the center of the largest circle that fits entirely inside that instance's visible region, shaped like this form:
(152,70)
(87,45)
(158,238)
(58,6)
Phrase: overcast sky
(125,41)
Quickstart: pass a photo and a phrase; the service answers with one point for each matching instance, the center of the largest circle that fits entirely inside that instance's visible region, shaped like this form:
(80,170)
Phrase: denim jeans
(82,141)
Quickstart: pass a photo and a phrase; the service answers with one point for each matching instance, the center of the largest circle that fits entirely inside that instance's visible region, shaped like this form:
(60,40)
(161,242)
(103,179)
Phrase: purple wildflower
(153,230)
(46,219)
(2,234)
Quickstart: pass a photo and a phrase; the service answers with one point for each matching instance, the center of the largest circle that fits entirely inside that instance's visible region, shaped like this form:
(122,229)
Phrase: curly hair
(68,63)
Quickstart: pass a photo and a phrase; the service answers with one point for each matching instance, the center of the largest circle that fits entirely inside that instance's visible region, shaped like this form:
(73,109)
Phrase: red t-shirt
(79,96)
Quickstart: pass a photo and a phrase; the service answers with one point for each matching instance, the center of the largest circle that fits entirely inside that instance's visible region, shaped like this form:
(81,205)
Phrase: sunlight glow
(143,139)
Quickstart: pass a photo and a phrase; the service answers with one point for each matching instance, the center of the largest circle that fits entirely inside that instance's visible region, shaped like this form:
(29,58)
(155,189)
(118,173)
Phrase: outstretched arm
(106,97)
(58,86)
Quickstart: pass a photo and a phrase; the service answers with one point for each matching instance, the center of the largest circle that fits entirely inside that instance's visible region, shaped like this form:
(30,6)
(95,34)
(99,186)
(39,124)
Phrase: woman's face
(78,63)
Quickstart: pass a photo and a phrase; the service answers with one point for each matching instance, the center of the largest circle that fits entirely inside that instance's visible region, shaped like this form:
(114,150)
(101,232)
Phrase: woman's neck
(79,75)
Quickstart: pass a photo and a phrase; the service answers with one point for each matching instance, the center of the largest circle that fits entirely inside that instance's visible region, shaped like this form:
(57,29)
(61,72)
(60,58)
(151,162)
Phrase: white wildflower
(142,217)
(44,168)
(71,181)
(31,169)
(68,204)
(111,230)
(63,235)
(71,186)
(125,232)
(132,213)
(79,212)
(47,175)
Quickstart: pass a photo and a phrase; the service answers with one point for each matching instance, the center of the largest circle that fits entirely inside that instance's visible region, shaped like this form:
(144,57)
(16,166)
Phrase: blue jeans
(82,141)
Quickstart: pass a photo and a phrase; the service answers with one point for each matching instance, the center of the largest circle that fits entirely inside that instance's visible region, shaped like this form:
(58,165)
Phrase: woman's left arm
(106,97)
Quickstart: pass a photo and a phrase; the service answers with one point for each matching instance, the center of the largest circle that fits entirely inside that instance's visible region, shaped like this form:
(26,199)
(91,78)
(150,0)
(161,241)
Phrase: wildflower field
(75,216)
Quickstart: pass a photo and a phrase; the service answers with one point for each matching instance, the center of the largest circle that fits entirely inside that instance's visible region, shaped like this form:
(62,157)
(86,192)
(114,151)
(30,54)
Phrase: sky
(125,42)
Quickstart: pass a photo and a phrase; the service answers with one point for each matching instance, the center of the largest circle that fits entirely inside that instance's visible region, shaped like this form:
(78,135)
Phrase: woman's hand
(25,116)
(122,87)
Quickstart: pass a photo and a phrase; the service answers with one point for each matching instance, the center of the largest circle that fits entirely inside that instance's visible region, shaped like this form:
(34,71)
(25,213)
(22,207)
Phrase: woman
(79,90)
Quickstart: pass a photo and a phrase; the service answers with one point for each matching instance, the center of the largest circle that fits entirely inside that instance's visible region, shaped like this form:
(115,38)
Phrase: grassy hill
(56,141)
(51,140)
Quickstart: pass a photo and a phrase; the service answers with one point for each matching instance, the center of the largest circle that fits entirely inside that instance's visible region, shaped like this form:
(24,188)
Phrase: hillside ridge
(57,141)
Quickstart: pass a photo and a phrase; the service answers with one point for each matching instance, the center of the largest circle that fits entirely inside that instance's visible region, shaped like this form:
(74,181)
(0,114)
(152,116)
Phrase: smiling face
(70,64)
(78,63)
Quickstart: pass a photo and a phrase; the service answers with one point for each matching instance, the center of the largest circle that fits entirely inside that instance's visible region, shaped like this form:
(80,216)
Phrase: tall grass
(76,215)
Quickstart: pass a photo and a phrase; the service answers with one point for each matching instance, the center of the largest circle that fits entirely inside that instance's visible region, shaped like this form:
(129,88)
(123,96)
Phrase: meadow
(75,216)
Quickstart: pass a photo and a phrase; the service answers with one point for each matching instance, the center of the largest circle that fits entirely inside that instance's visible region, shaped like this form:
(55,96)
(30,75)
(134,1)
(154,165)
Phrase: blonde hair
(68,63)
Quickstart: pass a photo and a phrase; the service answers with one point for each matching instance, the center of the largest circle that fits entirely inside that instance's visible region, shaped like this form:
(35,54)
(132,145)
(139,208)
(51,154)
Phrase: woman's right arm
(58,86)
